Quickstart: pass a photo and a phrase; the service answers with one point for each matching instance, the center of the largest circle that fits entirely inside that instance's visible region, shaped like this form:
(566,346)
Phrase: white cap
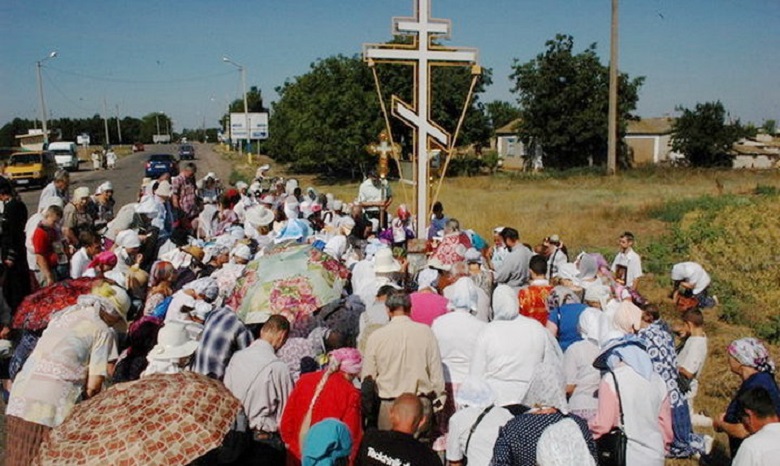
(107,186)
(80,193)
(241,185)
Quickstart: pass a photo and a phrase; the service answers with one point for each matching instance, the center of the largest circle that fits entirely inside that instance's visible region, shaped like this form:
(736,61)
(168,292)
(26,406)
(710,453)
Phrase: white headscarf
(506,305)
(589,324)
(463,295)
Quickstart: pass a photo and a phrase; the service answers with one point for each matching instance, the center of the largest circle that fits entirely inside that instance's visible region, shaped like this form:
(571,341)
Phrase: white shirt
(456,332)
(761,448)
(506,357)
(693,274)
(370,193)
(557,259)
(482,440)
(578,370)
(78,263)
(692,357)
(633,264)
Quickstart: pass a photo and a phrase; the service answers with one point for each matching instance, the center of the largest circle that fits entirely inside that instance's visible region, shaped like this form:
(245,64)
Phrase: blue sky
(147,56)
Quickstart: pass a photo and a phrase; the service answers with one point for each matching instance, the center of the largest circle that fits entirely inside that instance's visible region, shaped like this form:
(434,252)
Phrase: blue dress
(764,380)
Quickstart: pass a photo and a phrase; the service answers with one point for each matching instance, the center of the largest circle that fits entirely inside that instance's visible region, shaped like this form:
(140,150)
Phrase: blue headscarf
(629,349)
(326,442)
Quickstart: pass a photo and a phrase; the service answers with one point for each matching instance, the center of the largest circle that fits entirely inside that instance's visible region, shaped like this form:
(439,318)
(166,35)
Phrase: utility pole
(242,70)
(613,93)
(43,101)
(105,121)
(118,127)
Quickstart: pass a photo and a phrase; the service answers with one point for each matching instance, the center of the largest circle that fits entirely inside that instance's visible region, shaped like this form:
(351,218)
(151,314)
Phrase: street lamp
(246,107)
(40,94)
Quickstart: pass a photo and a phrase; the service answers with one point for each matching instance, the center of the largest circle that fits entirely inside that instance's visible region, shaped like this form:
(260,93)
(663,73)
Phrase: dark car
(186,152)
(157,164)
(138,147)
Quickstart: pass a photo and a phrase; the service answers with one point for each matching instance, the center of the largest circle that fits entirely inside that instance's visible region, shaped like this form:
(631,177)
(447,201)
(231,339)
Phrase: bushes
(734,238)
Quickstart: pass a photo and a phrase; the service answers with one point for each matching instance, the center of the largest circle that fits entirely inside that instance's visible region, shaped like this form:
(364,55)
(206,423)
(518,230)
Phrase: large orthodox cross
(422,54)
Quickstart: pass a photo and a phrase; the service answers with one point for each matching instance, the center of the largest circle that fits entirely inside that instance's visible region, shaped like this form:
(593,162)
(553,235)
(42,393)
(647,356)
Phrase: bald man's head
(406,414)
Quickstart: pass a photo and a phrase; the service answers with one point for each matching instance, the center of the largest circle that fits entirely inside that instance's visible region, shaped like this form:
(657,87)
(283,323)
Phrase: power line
(138,81)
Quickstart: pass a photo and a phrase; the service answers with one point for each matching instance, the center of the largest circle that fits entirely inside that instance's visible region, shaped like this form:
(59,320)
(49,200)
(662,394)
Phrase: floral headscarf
(752,353)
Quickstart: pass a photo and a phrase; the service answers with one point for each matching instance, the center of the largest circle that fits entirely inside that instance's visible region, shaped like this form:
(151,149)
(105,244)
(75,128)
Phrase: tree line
(325,119)
(67,129)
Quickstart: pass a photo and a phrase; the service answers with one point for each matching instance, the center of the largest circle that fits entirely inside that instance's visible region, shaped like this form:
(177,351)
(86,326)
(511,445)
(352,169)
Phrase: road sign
(258,125)
(82,139)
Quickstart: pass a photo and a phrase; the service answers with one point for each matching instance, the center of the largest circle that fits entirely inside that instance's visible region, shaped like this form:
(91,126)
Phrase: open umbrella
(292,279)
(35,310)
(163,419)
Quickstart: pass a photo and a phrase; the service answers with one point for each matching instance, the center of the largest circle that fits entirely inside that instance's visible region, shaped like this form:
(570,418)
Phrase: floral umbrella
(292,279)
(34,311)
(163,419)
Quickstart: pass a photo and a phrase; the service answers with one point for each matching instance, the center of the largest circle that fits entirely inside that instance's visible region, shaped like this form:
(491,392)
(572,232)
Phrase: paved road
(129,171)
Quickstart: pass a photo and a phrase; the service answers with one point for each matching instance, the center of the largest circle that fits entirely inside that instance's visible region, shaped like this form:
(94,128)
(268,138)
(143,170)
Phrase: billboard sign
(258,126)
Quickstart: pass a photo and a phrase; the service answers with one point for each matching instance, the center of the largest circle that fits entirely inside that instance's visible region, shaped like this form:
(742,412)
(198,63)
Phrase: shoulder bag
(471,432)
(612,445)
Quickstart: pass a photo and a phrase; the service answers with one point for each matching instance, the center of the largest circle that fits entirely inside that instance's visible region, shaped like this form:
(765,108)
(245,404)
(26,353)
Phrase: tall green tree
(564,101)
(704,136)
(769,127)
(325,118)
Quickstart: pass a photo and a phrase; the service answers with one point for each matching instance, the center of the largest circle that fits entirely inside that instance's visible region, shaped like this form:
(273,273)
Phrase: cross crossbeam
(422,54)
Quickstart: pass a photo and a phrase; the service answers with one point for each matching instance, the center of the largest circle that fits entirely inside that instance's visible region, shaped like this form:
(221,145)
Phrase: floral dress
(76,344)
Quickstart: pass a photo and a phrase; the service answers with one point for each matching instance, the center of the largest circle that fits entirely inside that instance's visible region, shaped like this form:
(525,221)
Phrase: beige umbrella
(163,419)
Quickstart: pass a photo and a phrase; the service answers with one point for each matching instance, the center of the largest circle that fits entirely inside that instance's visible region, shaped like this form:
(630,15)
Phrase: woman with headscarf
(565,310)
(751,361)
(328,443)
(325,394)
(582,379)
(161,280)
(456,333)
(101,264)
(473,429)
(69,363)
(630,391)
(658,340)
(505,361)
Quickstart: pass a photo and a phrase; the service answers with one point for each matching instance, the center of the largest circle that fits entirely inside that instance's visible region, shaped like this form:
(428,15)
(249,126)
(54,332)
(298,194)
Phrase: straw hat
(259,216)
(384,262)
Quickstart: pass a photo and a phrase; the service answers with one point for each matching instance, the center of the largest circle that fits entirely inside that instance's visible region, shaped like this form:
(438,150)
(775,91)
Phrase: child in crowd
(691,359)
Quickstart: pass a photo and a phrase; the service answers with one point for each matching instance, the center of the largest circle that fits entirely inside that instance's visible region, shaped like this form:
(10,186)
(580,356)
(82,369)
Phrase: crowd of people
(443,348)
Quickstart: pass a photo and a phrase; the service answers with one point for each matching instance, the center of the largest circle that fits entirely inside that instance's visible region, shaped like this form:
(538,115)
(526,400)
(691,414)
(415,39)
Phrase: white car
(65,154)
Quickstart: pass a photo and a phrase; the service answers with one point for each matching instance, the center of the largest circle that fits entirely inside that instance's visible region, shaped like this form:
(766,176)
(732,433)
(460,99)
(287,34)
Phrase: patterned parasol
(293,280)
(36,309)
(163,419)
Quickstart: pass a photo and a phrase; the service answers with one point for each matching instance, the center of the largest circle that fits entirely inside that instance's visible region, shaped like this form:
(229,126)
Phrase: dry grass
(589,212)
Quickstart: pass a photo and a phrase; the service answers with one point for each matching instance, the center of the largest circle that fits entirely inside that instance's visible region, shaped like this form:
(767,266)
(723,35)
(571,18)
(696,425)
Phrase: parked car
(65,154)
(158,164)
(138,147)
(31,168)
(186,152)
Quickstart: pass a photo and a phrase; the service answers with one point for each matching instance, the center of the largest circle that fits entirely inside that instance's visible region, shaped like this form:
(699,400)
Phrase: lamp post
(43,102)
(246,107)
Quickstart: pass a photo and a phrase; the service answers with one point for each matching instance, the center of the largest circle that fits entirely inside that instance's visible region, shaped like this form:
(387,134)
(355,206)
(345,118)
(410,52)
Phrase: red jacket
(339,399)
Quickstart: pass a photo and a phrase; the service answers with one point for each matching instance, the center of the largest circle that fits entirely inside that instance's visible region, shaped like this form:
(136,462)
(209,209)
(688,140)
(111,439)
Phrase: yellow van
(31,168)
